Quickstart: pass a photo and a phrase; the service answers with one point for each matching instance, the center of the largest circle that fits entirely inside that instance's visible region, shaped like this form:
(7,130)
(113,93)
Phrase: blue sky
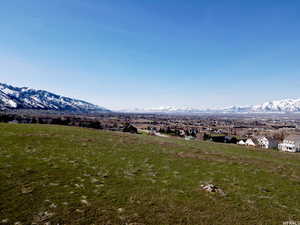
(148,53)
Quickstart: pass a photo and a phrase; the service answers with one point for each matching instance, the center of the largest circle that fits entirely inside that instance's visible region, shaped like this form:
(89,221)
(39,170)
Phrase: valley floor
(67,175)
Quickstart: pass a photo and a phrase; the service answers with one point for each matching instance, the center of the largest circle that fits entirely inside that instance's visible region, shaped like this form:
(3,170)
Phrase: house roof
(254,140)
(267,137)
(293,137)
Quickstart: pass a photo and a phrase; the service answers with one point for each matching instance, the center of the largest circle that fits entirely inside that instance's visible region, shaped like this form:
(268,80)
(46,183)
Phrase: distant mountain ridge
(278,106)
(26,98)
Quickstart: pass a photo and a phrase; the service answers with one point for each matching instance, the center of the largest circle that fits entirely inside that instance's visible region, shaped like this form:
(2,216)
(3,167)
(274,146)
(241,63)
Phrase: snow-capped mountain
(287,105)
(27,98)
(280,106)
(166,109)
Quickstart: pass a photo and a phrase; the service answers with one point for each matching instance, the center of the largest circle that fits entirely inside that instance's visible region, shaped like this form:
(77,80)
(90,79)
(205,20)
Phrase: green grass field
(66,175)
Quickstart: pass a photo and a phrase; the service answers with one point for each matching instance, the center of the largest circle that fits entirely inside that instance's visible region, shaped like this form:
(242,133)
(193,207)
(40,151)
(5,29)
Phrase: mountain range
(279,106)
(26,98)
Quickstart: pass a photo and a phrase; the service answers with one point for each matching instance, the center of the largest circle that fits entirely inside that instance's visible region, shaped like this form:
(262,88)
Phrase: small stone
(265,190)
(121,210)
(49,214)
(94,181)
(42,216)
(79,211)
(105,175)
(85,202)
(26,190)
(212,188)
(53,206)
(5,221)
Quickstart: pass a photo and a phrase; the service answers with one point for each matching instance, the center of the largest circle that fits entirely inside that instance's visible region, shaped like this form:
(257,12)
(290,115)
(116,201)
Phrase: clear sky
(149,53)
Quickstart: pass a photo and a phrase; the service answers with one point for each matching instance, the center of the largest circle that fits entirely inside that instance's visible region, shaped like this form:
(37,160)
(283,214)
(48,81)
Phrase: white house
(290,144)
(241,142)
(267,142)
(182,133)
(250,142)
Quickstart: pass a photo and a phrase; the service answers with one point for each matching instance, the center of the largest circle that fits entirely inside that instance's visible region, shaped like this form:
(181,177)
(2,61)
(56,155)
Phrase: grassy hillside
(66,175)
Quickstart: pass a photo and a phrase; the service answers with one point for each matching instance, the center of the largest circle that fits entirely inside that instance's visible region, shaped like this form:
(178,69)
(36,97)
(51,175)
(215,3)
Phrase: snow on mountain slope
(26,98)
(163,109)
(280,106)
(287,105)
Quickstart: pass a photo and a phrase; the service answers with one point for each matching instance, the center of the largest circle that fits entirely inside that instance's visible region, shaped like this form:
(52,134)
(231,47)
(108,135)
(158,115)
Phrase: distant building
(241,142)
(267,142)
(290,144)
(152,132)
(182,133)
(251,142)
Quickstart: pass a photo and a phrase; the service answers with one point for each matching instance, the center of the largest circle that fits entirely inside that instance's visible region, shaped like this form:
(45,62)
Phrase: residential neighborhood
(290,144)
(260,132)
